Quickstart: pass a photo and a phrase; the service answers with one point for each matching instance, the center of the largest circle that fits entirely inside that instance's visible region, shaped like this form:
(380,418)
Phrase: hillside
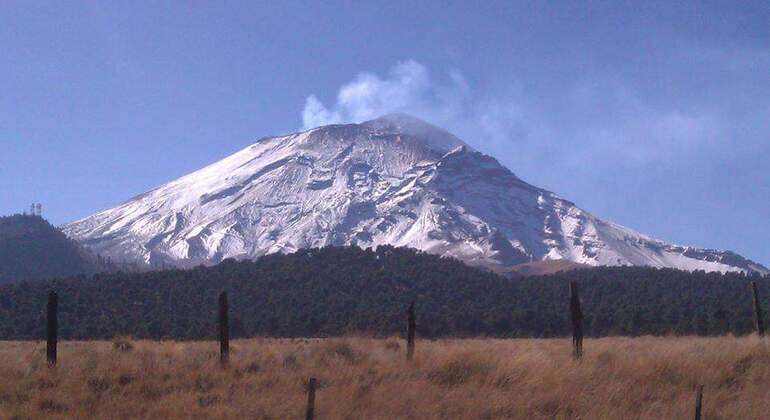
(395,180)
(33,249)
(333,291)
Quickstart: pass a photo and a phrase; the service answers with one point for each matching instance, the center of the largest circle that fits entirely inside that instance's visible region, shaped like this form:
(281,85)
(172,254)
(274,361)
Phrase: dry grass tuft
(365,378)
(123,344)
(460,369)
(340,351)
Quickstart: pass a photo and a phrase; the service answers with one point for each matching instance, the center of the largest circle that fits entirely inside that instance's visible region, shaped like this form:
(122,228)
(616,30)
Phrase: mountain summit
(431,136)
(394,180)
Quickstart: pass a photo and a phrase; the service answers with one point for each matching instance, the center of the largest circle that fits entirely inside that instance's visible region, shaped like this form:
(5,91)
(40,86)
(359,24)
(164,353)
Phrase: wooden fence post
(411,324)
(310,413)
(698,402)
(577,320)
(52,333)
(224,330)
(759,321)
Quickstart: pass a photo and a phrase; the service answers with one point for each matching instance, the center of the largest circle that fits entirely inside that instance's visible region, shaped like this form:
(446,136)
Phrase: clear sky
(655,115)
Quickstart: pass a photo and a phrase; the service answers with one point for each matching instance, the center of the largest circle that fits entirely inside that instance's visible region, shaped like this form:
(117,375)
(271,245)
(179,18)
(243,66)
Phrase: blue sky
(655,115)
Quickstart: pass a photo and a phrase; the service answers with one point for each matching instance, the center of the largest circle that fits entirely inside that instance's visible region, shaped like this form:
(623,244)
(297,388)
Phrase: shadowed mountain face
(395,180)
(32,249)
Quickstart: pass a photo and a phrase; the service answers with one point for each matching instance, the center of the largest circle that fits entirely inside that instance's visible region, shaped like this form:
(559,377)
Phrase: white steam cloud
(599,122)
(407,87)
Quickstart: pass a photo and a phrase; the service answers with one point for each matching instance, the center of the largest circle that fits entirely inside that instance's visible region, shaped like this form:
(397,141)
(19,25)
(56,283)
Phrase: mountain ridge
(395,180)
(32,249)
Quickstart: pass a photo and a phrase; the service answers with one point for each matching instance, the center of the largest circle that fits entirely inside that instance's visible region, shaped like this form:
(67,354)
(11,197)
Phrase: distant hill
(335,290)
(33,249)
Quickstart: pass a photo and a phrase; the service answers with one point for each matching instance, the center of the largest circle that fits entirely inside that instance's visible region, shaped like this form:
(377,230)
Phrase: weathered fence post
(411,324)
(310,413)
(577,320)
(224,330)
(760,323)
(52,333)
(698,401)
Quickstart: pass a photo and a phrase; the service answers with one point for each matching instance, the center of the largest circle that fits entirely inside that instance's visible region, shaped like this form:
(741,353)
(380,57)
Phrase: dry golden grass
(361,378)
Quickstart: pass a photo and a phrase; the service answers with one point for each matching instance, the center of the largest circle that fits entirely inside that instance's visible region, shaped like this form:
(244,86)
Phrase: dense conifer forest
(333,291)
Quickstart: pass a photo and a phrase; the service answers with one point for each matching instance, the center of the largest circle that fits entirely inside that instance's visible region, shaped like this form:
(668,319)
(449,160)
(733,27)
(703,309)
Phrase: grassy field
(362,378)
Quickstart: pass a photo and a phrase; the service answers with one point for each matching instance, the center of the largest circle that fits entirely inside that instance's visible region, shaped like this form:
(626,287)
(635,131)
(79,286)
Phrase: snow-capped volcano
(394,180)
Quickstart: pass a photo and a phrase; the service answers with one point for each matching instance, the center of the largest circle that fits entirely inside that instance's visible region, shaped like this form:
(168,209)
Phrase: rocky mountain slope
(395,180)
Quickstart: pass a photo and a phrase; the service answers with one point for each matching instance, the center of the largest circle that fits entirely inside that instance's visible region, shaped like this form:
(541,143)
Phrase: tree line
(347,290)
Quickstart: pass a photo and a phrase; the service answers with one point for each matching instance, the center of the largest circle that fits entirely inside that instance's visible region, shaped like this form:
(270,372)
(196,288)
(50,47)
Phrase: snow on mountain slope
(394,180)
